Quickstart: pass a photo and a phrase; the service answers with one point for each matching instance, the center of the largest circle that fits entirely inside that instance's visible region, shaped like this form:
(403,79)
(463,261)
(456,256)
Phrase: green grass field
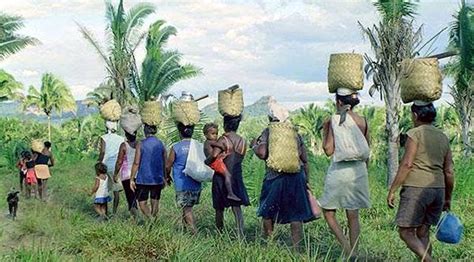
(65,228)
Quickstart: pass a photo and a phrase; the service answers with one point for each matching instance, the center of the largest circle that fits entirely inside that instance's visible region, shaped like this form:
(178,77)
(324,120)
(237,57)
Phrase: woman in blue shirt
(188,190)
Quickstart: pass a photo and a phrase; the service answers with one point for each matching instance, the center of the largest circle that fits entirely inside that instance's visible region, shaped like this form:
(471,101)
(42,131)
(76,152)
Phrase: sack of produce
(37,145)
(450,229)
(111,110)
(421,80)
(151,113)
(231,101)
(186,112)
(130,119)
(283,154)
(345,71)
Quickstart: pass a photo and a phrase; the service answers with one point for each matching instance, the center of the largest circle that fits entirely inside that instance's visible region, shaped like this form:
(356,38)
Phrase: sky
(268,47)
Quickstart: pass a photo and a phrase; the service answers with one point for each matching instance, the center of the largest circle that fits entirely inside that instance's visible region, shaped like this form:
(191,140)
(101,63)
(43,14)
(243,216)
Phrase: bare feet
(233,197)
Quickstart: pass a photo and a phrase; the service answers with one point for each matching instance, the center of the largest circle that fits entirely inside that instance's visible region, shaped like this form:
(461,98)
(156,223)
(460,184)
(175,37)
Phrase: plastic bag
(449,229)
(195,166)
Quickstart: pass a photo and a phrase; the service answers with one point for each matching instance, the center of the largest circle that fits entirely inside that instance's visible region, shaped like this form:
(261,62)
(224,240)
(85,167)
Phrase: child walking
(211,132)
(30,179)
(101,191)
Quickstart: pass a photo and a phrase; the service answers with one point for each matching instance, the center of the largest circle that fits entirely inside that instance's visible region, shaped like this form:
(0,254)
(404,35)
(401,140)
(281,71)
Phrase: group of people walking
(145,167)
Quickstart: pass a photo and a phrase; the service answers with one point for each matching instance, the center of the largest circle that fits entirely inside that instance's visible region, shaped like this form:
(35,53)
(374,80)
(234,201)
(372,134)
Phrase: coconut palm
(161,68)
(53,96)
(10,42)
(461,68)
(392,40)
(100,95)
(10,89)
(123,37)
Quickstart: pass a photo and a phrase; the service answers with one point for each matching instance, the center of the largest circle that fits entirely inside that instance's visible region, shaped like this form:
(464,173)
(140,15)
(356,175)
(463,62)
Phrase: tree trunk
(466,138)
(49,128)
(393,146)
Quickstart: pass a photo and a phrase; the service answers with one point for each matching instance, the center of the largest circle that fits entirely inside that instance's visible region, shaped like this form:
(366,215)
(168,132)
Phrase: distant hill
(259,108)
(13,109)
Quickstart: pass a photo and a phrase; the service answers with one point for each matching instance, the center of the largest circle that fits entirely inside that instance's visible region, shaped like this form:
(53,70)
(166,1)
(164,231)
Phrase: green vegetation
(10,41)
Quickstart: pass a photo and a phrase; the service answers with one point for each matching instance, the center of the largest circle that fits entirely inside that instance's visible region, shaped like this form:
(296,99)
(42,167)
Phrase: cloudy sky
(269,47)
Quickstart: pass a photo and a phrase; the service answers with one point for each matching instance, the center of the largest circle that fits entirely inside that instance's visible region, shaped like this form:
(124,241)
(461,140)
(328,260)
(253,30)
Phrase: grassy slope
(65,229)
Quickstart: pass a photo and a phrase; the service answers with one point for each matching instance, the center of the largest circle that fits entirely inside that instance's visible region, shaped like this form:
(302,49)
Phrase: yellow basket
(283,153)
(231,102)
(151,113)
(186,112)
(345,71)
(37,145)
(421,80)
(111,110)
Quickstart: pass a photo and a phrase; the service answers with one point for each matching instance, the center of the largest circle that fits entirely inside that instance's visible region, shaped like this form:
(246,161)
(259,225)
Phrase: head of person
(346,97)
(211,131)
(100,168)
(423,112)
(111,126)
(131,137)
(231,123)
(149,130)
(27,155)
(47,145)
(185,131)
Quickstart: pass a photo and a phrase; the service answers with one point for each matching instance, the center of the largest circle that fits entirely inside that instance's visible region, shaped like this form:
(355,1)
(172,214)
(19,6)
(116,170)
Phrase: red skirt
(30,177)
(219,166)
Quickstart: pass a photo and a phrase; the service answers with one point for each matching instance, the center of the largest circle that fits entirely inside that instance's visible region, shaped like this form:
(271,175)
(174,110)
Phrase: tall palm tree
(10,89)
(123,37)
(100,95)
(161,68)
(461,68)
(11,42)
(393,39)
(53,96)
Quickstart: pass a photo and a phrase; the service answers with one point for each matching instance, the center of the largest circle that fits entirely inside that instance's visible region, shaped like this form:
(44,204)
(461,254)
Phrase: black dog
(12,200)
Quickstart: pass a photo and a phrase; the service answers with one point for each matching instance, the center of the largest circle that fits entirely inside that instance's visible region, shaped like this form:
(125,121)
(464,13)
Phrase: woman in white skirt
(346,184)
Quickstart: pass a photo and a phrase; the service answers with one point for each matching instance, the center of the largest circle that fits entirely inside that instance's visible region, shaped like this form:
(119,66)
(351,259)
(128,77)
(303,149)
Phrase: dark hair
(149,130)
(27,154)
(352,100)
(209,126)
(47,144)
(185,131)
(231,123)
(100,168)
(425,114)
(131,137)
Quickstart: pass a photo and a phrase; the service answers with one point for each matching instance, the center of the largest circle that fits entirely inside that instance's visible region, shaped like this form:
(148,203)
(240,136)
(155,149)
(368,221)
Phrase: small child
(12,199)
(21,165)
(210,130)
(101,191)
(30,178)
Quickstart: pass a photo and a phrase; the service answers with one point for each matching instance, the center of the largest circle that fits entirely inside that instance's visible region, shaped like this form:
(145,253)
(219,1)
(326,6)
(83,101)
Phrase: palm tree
(54,96)
(10,89)
(10,42)
(461,68)
(161,68)
(392,40)
(123,37)
(100,95)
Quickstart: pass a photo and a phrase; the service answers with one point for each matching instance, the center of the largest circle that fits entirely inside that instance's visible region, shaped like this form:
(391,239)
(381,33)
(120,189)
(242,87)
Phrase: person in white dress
(346,183)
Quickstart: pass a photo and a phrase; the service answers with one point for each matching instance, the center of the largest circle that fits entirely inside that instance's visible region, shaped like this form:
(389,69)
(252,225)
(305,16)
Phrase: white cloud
(29,73)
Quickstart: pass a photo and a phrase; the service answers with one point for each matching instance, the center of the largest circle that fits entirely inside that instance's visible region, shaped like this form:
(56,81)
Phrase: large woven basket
(345,71)
(111,110)
(130,120)
(37,145)
(231,102)
(283,154)
(151,113)
(421,80)
(186,112)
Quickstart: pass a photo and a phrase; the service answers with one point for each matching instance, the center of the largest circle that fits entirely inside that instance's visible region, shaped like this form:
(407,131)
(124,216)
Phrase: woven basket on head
(283,154)
(37,145)
(345,71)
(130,120)
(186,112)
(111,110)
(421,80)
(151,113)
(230,102)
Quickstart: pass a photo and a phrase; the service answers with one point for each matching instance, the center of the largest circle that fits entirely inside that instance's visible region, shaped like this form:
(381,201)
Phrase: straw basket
(130,120)
(151,113)
(186,112)
(345,71)
(231,102)
(111,110)
(37,145)
(421,80)
(283,148)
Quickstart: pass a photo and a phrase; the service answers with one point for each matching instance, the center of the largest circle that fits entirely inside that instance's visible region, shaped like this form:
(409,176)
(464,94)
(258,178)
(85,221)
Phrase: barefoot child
(211,132)
(101,190)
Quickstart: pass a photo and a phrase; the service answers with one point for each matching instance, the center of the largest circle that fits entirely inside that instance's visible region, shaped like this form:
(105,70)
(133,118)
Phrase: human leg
(142,197)
(296,233)
(40,188)
(188,218)
(116,202)
(155,195)
(330,216)
(239,220)
(219,219)
(228,186)
(423,233)
(131,197)
(409,236)
(354,228)
(45,189)
(267,227)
